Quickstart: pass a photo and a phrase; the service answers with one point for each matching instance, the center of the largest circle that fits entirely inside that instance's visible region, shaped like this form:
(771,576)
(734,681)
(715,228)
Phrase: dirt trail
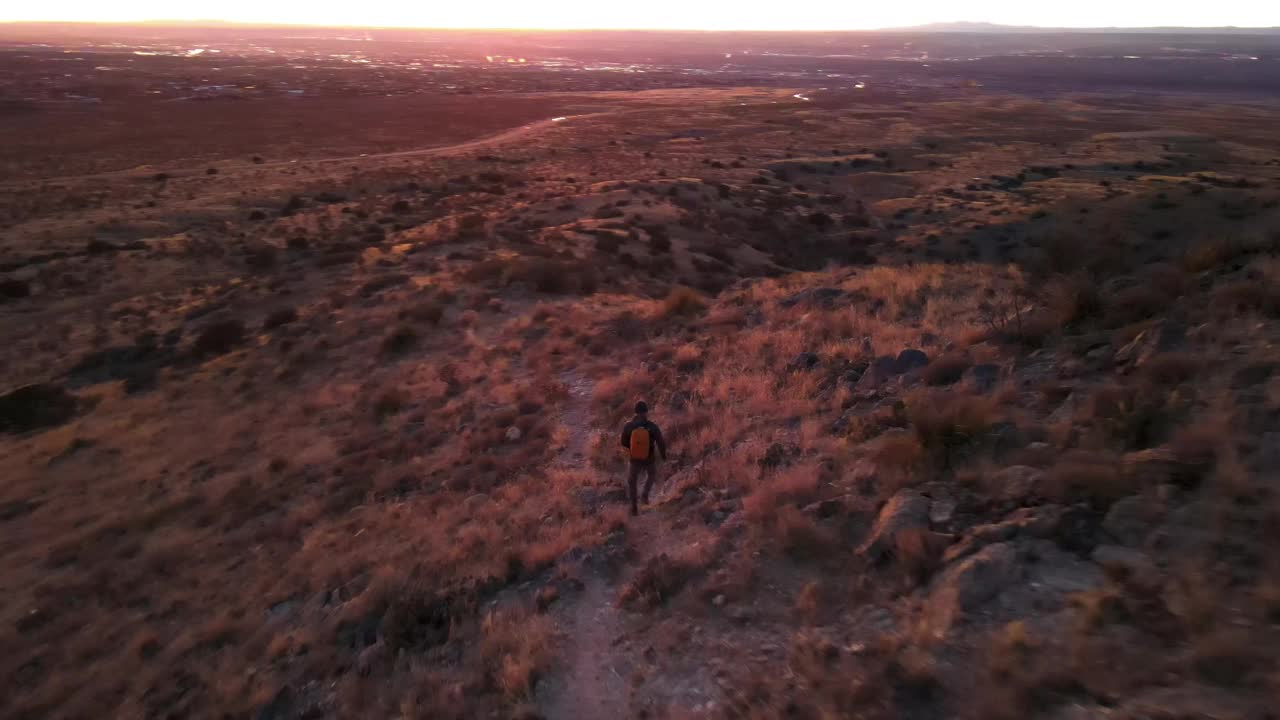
(590,681)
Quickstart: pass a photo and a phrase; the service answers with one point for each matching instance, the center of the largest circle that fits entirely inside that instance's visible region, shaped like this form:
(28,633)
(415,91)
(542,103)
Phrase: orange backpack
(640,444)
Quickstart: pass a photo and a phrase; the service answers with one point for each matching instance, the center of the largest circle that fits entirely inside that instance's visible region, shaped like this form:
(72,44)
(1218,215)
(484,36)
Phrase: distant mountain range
(982,27)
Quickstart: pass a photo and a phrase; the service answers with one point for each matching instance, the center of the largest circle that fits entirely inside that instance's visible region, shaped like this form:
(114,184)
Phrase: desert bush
(683,302)
(946,422)
(900,455)
(516,648)
(797,485)
(1251,295)
(1071,299)
(399,340)
(799,535)
(658,581)
(1087,476)
(1171,368)
(1220,251)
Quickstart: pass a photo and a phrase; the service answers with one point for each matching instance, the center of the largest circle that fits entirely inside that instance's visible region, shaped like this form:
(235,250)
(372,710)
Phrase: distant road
(494,139)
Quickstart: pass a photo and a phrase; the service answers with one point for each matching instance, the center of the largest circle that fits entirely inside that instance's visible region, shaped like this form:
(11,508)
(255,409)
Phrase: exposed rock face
(982,378)
(967,585)
(909,360)
(906,511)
(219,338)
(1129,520)
(1164,337)
(1035,522)
(1017,482)
(33,407)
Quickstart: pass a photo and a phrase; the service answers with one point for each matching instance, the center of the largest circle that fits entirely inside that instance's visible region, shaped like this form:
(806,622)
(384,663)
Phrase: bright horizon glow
(663,14)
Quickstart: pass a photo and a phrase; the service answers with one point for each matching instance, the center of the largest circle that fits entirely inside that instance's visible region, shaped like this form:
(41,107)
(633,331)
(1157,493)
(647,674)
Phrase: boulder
(32,407)
(1130,520)
(475,502)
(1127,564)
(14,289)
(1036,522)
(907,511)
(981,378)
(968,585)
(880,371)
(1017,482)
(803,361)
(1156,466)
(219,338)
(1168,335)
(909,360)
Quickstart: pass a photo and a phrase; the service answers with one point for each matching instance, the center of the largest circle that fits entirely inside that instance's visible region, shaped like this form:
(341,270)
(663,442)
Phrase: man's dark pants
(649,469)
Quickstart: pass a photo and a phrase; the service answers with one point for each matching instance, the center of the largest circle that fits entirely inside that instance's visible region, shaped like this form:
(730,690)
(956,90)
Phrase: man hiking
(639,438)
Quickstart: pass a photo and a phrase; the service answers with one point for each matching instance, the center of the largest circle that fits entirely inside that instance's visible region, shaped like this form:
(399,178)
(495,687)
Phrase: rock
(880,371)
(1066,411)
(1129,520)
(821,297)
(279,707)
(513,434)
(219,338)
(1156,466)
(1168,335)
(278,317)
(1252,375)
(1193,701)
(475,502)
(823,509)
(981,378)
(941,511)
(1127,564)
(905,511)
(546,596)
(1036,522)
(1078,530)
(32,407)
(966,586)
(13,289)
(909,360)
(1017,482)
(803,361)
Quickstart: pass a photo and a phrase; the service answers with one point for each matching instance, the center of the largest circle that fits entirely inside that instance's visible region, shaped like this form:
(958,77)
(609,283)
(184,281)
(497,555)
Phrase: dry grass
(517,648)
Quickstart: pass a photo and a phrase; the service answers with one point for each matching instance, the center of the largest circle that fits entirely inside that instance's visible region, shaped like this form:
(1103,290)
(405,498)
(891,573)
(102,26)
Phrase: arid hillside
(973,402)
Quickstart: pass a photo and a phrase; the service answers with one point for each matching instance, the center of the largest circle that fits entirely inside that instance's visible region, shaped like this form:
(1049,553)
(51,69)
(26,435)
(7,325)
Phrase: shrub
(1070,299)
(683,302)
(219,338)
(281,316)
(1087,476)
(945,422)
(517,648)
(400,340)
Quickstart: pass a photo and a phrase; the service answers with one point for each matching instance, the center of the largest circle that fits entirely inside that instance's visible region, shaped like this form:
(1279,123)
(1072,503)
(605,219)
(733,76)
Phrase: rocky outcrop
(907,511)
(967,585)
(33,407)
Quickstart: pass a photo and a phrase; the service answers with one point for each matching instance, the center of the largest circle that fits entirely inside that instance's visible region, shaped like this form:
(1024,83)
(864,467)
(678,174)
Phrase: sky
(666,14)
